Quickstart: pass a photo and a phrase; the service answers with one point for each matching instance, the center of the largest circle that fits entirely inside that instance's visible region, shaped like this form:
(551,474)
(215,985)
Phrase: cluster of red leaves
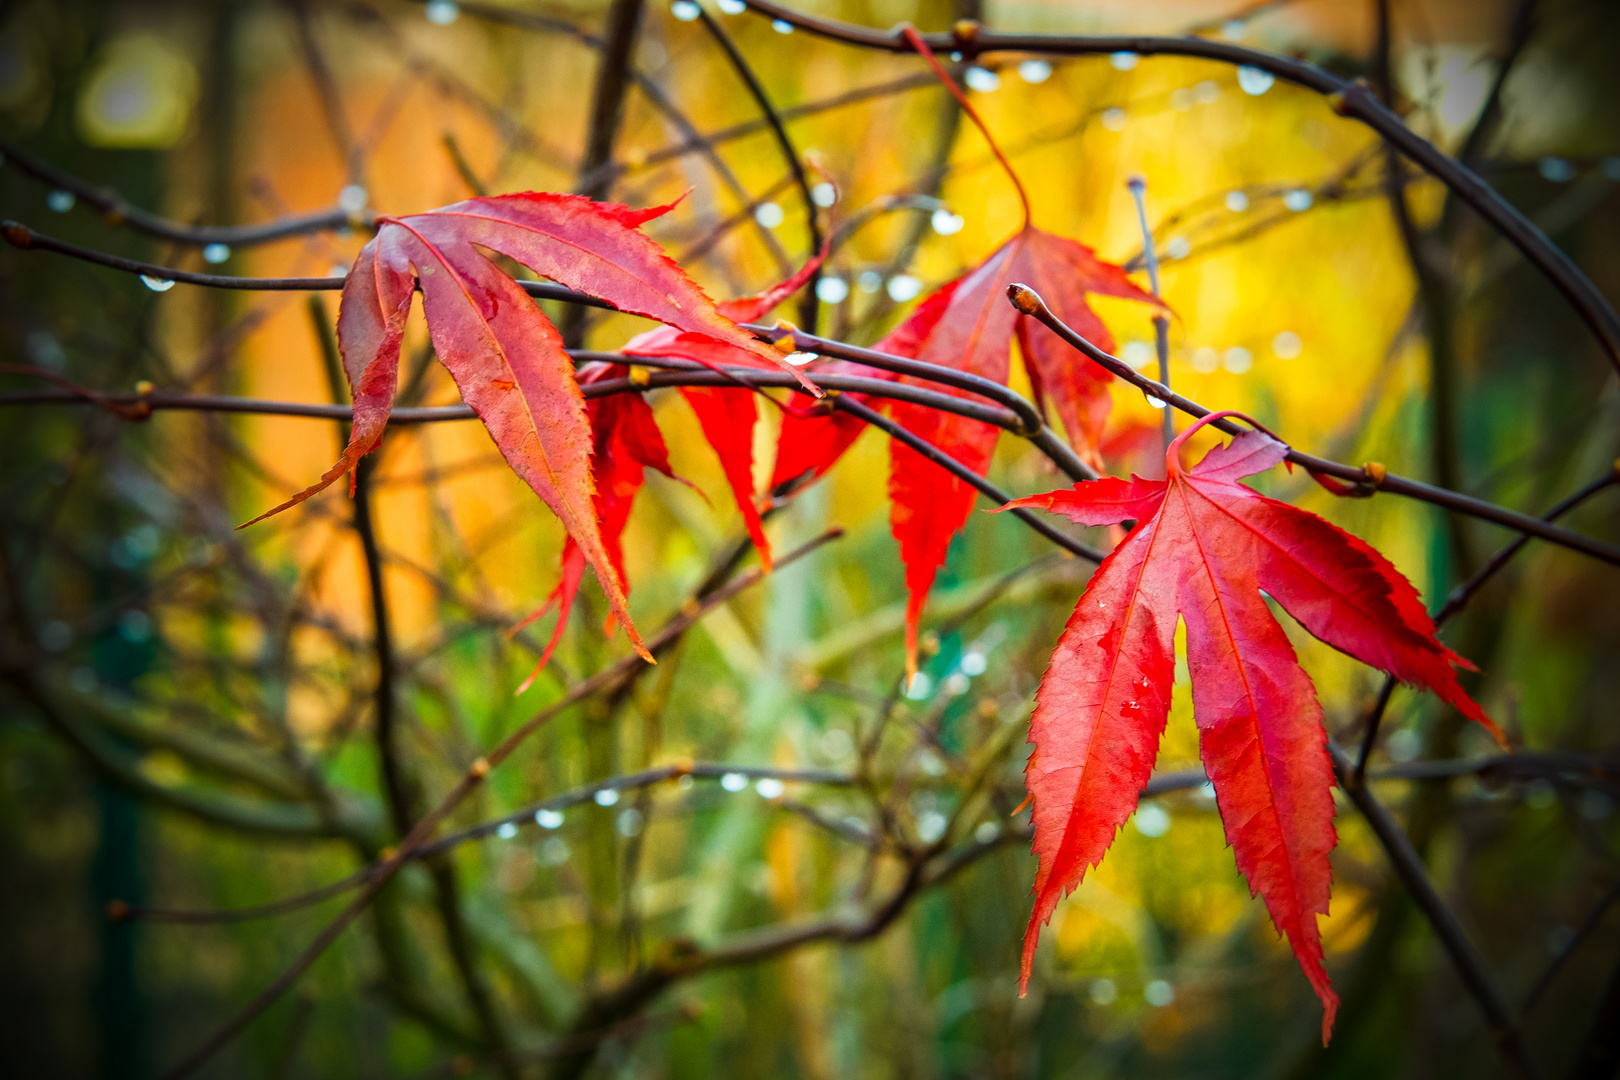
(1202,550)
(506,357)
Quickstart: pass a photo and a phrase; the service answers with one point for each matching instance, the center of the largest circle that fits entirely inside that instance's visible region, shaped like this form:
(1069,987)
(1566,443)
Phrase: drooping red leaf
(625,442)
(727,415)
(506,357)
(1203,549)
(968,325)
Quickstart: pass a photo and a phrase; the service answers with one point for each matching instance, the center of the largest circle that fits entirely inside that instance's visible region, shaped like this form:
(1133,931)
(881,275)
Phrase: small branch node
(966,31)
(117,910)
(478,769)
(17,234)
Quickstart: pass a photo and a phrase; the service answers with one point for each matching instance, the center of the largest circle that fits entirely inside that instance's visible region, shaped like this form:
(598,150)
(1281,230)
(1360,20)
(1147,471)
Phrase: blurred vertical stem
(398,787)
(1161,324)
(809,308)
(607,110)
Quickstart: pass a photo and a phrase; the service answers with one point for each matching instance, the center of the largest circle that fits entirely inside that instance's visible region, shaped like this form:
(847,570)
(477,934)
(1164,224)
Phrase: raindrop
(686,783)
(1178,247)
(1104,992)
(1034,71)
(904,287)
(1114,119)
(1158,993)
(956,684)
(1238,360)
(1153,401)
(630,822)
(931,826)
(157,284)
(1237,201)
(1556,169)
(1298,199)
(1205,360)
(1138,354)
(1206,92)
(1152,820)
(824,194)
(1287,346)
(837,744)
(1234,30)
(685,10)
(982,79)
(734,781)
(732,7)
(1596,805)
(832,290)
(973,663)
(442,12)
(55,636)
(987,832)
(60,201)
(1403,745)
(548,819)
(781,26)
(1539,794)
(606,797)
(1254,81)
(946,223)
(799,359)
(352,199)
(216,253)
(769,214)
(1124,61)
(134,626)
(920,687)
(770,788)
(554,852)
(869,281)
(507,830)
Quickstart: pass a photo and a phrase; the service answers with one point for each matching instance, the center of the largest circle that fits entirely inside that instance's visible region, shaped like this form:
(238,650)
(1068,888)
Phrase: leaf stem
(915,40)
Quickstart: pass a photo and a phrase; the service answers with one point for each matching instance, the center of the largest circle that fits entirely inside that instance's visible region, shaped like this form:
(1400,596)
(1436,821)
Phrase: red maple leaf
(1203,549)
(505,356)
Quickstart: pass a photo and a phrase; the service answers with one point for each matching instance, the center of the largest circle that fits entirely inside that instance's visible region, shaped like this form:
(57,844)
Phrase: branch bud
(478,769)
(1024,298)
(786,345)
(17,234)
(117,910)
(1375,472)
(640,376)
(966,31)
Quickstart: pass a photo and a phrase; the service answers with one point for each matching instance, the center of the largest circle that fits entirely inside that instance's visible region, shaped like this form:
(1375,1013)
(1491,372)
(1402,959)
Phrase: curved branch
(119,210)
(1465,958)
(809,310)
(1029,303)
(609,676)
(1349,99)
